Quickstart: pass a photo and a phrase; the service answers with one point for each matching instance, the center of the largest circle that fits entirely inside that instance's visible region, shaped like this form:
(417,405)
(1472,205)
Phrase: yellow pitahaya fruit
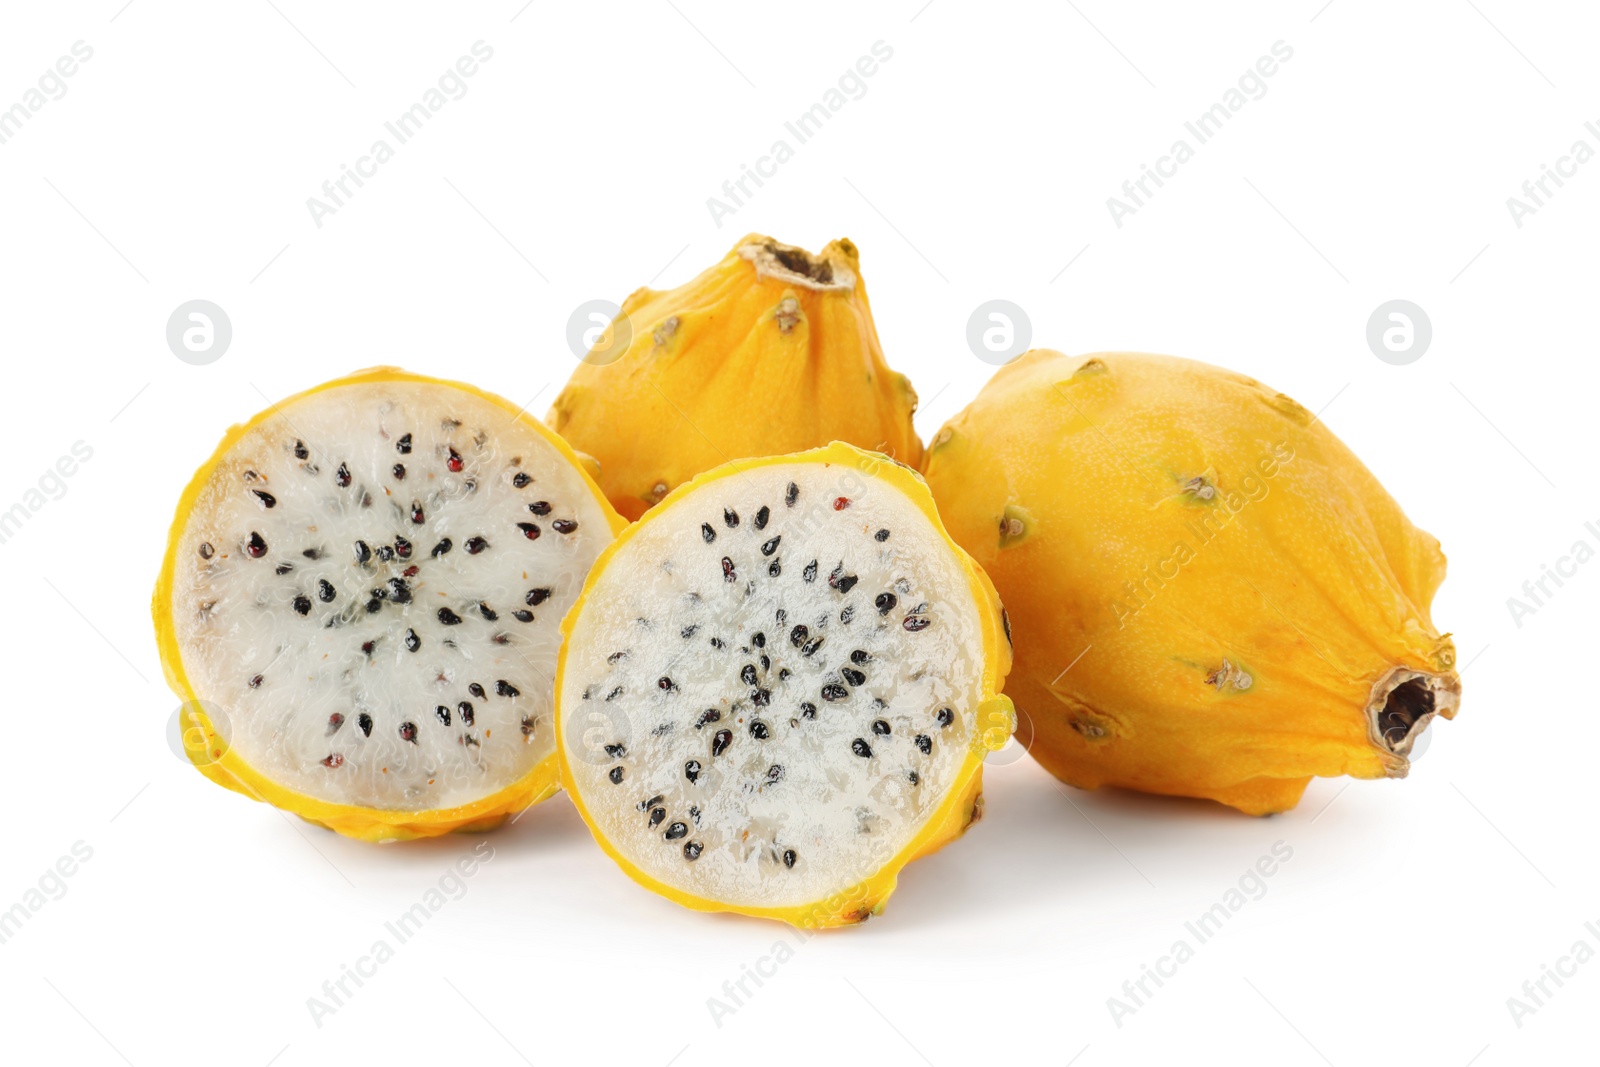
(771,351)
(1210,595)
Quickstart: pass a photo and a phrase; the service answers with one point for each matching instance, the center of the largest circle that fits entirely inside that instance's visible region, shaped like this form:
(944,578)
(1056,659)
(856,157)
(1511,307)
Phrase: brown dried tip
(1402,704)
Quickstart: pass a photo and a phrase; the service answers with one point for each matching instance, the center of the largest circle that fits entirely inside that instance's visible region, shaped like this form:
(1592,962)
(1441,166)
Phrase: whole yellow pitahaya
(771,351)
(1210,595)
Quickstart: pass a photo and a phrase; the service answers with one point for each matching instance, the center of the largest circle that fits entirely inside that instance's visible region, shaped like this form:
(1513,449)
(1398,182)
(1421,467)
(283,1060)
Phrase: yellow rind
(230,771)
(995,718)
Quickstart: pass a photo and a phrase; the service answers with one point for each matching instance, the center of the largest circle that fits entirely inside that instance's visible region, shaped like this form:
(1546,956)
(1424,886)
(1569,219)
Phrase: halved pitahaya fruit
(360,604)
(778,688)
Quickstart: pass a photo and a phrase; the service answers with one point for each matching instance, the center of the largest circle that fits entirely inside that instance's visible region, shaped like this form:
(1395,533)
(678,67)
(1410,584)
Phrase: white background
(976,166)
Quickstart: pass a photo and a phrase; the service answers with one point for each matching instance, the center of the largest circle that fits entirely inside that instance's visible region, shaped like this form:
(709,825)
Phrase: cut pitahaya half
(361,599)
(778,688)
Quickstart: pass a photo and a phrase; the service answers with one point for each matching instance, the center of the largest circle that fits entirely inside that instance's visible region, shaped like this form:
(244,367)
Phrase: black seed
(914,623)
(403,446)
(300,450)
(811,646)
(885,603)
(400,472)
(707,533)
(475,689)
(529,530)
(335,721)
(565,526)
(664,683)
(766,664)
(945,717)
(448,617)
(385,553)
(847,614)
(527,726)
(792,495)
(616,751)
(762,516)
(774,568)
(441,548)
(761,697)
(413,642)
(913,777)
(342,476)
(880,727)
(691,770)
(614,694)
(675,831)
(789,858)
(925,743)
(615,776)
(475,545)
(312,553)
(716,642)
(859,656)
(709,715)
(748,674)
(775,773)
(255,683)
(522,615)
(442,713)
(536,597)
(881,535)
(771,546)
(798,635)
(408,732)
(808,710)
(374,606)
(487,612)
(402,548)
(731,518)
(256,547)
(833,692)
(302,604)
(364,721)
(727,570)
(520,480)
(540,507)
(267,499)
(652,802)
(853,676)
(656,815)
(325,590)
(417,517)
(467,712)
(860,747)
(399,591)
(206,551)
(283,568)
(720,743)
(759,730)
(810,573)
(688,631)
(506,689)
(759,639)
(363,552)
(692,850)
(847,583)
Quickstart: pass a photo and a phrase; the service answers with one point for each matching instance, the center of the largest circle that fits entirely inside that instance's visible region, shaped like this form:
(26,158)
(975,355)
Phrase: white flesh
(654,613)
(236,616)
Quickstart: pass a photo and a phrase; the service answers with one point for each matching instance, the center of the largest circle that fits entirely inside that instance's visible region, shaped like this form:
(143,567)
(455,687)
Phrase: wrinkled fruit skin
(771,351)
(1242,592)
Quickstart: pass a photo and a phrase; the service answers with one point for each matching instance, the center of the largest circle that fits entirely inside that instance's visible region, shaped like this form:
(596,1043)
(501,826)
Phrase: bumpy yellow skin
(747,359)
(209,752)
(995,717)
(1204,584)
